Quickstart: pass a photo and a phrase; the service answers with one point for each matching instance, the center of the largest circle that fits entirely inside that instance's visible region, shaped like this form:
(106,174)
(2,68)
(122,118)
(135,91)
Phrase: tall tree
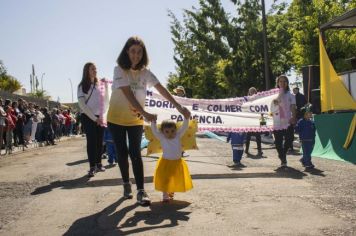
(219,55)
(8,82)
(305,17)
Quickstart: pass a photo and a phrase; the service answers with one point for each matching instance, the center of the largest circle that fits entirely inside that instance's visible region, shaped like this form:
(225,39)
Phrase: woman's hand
(99,121)
(149,117)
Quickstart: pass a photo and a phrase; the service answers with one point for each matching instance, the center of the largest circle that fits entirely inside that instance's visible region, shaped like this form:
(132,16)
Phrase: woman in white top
(126,111)
(284,124)
(89,103)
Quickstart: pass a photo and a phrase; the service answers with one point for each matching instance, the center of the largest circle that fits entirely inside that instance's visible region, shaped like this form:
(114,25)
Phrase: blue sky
(59,37)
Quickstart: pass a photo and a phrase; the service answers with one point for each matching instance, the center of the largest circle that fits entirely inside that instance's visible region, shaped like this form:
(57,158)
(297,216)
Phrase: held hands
(99,121)
(149,117)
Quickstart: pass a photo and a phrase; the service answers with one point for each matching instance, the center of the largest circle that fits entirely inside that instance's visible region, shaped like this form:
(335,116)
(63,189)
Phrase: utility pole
(265,49)
(71,87)
(42,81)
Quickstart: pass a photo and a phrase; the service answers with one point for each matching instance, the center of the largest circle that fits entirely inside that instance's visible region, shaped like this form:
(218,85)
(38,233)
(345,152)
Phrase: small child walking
(172,173)
(237,145)
(306,129)
(110,147)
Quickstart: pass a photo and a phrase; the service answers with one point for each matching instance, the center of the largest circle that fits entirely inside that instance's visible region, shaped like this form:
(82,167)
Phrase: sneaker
(311,166)
(142,198)
(127,191)
(111,164)
(91,172)
(239,164)
(234,164)
(100,168)
(184,154)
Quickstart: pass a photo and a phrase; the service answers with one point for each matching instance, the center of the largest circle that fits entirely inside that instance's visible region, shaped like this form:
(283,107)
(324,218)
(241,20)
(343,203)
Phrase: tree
(219,55)
(8,82)
(305,18)
(39,94)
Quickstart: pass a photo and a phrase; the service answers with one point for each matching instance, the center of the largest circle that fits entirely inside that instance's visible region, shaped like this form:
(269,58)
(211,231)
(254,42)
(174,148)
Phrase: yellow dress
(172,176)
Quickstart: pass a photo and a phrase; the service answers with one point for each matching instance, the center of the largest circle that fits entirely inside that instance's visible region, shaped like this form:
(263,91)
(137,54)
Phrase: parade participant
(300,102)
(252,91)
(110,147)
(179,91)
(237,146)
(306,129)
(172,173)
(126,111)
(283,119)
(89,103)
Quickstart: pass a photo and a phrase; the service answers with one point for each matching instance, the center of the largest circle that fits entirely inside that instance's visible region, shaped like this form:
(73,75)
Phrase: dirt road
(45,191)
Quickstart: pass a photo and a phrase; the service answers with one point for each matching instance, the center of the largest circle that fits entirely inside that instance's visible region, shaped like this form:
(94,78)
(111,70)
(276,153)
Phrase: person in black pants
(252,91)
(89,103)
(284,119)
(126,112)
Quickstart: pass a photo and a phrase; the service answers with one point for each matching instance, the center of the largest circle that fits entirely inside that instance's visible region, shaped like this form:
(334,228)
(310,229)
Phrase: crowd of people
(23,123)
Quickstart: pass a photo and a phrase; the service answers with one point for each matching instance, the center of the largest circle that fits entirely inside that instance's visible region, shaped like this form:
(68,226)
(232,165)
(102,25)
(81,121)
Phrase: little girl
(171,174)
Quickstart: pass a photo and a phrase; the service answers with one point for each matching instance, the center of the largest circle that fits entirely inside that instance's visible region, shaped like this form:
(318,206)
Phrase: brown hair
(124,61)
(282,77)
(85,82)
(168,124)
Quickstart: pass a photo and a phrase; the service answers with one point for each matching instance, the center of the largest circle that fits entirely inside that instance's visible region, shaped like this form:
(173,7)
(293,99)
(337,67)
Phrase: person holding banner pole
(252,91)
(284,118)
(126,112)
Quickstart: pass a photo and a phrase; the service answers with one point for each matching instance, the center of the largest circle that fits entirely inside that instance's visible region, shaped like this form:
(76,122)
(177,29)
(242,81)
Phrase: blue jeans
(307,147)
(110,150)
(237,154)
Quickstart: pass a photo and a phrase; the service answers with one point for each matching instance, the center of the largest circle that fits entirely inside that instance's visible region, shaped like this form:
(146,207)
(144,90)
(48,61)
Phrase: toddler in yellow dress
(171,174)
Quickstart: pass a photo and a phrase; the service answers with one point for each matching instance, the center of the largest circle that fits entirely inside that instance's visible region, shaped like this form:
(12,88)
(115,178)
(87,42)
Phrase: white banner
(240,114)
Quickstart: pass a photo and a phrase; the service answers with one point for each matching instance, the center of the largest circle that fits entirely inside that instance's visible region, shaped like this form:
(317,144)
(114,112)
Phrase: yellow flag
(334,95)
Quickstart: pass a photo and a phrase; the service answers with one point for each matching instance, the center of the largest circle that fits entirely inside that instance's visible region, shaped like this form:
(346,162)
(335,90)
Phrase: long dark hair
(284,77)
(124,61)
(85,82)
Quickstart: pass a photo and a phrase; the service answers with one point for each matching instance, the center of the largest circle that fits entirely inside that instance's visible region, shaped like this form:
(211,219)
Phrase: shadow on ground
(76,162)
(108,221)
(83,182)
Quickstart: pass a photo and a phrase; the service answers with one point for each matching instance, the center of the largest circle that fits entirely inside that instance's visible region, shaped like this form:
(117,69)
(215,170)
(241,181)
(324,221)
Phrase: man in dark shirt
(300,102)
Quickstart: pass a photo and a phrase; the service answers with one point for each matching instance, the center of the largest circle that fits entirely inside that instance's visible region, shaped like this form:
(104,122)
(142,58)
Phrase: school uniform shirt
(172,148)
(306,129)
(89,104)
(120,110)
(285,100)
